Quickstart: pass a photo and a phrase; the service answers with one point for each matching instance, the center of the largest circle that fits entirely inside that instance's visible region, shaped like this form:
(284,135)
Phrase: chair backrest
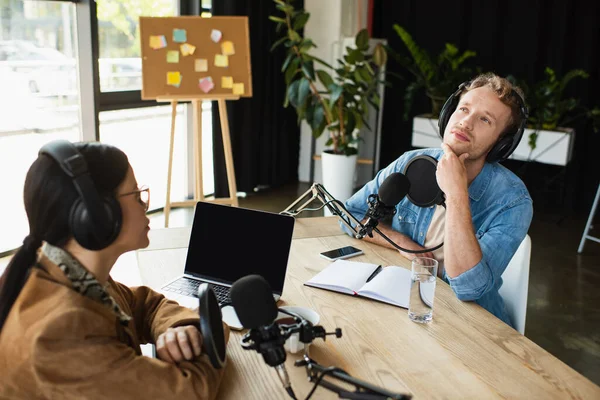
(516,283)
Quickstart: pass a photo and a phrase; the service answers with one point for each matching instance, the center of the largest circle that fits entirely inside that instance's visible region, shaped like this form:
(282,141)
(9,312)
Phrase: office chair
(516,284)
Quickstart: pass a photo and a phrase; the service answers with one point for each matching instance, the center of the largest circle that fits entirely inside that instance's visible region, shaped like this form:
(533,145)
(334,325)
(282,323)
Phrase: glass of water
(422,289)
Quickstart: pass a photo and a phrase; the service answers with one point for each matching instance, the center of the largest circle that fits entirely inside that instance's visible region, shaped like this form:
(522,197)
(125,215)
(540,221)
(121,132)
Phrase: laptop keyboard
(189,287)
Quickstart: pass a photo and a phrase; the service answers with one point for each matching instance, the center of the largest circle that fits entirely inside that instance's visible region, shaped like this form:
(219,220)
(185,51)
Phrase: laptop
(228,243)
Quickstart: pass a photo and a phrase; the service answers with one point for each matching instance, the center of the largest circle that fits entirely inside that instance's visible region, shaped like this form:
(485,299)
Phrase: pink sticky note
(206,84)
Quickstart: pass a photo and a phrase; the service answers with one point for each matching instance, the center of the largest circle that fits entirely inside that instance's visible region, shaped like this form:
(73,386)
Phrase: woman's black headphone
(94,220)
(507,144)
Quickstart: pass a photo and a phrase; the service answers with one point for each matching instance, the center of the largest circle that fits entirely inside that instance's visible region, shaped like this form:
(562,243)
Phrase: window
(39,98)
(119,40)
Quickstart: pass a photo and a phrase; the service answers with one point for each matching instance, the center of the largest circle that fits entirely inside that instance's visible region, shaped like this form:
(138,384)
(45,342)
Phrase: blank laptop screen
(228,243)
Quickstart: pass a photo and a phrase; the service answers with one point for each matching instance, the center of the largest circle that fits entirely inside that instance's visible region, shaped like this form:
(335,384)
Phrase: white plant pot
(338,175)
(552,147)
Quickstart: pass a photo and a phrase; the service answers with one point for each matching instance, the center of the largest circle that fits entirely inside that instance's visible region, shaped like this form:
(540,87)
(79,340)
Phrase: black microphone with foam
(392,190)
(252,299)
(382,205)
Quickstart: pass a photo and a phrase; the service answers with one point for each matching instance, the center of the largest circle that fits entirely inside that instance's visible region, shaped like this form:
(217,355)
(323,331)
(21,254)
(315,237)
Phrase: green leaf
(362,39)
(287,61)
(355,56)
(303,91)
(291,71)
(425,66)
(286,8)
(293,35)
(350,124)
(310,57)
(309,70)
(300,21)
(306,45)
(276,19)
(277,43)
(318,120)
(310,112)
(379,55)
(325,78)
(336,90)
(292,93)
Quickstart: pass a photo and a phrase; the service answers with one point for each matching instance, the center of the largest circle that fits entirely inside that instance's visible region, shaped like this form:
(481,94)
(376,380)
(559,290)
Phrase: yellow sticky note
(174,78)
(187,49)
(172,56)
(226,82)
(158,42)
(201,65)
(238,88)
(227,48)
(221,60)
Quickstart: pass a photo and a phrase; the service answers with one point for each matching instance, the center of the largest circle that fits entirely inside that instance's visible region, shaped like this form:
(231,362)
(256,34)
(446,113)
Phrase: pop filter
(424,190)
(211,326)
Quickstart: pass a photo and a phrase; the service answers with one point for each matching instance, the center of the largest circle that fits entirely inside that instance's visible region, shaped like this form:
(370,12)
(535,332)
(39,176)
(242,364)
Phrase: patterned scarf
(83,281)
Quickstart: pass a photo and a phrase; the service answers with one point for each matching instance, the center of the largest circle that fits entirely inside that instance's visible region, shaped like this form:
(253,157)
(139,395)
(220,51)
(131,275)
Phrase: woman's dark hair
(48,196)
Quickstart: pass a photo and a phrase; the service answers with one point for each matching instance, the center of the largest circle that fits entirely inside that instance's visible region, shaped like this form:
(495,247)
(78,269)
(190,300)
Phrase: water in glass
(421,299)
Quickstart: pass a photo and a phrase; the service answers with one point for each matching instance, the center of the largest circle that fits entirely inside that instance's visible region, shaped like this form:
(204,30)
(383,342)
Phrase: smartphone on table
(341,253)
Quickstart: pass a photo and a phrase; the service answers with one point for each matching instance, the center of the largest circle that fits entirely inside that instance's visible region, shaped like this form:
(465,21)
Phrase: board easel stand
(197,145)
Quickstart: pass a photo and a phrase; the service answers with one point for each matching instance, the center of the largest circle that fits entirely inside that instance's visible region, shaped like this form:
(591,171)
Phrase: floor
(563,314)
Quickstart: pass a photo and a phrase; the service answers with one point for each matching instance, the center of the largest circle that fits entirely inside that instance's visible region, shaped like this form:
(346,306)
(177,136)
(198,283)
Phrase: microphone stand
(337,208)
(363,390)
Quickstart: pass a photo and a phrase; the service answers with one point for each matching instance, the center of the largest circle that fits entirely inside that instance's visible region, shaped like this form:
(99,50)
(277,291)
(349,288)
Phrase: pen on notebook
(374,274)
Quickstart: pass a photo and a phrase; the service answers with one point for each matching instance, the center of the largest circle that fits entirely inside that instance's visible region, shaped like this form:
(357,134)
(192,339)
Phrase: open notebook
(390,284)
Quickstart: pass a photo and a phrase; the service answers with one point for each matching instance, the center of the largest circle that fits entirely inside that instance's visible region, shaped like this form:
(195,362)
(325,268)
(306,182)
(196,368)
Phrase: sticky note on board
(221,60)
(216,35)
(179,35)
(227,48)
(226,82)
(172,56)
(174,78)
(238,88)
(201,65)
(158,42)
(206,84)
(187,49)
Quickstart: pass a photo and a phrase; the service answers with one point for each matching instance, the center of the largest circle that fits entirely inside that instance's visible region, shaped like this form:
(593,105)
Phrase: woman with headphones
(67,330)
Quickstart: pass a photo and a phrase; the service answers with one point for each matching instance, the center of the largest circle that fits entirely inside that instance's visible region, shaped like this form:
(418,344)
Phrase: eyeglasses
(142,196)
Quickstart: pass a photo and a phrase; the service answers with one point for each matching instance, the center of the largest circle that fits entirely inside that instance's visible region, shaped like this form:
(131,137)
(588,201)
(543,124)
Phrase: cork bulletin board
(195,57)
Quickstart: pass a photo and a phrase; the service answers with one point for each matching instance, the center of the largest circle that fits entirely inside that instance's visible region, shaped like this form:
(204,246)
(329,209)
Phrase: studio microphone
(424,190)
(252,299)
(383,204)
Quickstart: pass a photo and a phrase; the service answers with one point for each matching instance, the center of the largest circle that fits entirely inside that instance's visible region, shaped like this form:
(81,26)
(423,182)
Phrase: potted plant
(549,138)
(438,77)
(332,99)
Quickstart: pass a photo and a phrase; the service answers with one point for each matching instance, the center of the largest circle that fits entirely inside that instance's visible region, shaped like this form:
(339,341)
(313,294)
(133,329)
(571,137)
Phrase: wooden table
(465,352)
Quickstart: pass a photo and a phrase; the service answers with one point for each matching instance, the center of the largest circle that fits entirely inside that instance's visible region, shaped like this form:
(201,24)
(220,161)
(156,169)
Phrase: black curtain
(264,135)
(511,37)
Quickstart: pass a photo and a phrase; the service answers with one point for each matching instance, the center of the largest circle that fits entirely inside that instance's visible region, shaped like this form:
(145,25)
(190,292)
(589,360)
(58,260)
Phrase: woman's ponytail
(16,274)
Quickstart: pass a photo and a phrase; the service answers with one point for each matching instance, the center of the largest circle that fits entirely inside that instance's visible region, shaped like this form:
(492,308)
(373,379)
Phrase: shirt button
(420,233)
(400,217)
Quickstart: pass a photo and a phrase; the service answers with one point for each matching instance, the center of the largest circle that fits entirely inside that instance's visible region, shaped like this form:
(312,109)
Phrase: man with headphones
(487,209)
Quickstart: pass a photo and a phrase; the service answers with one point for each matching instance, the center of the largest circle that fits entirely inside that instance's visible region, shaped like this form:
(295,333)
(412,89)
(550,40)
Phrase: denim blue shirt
(501,210)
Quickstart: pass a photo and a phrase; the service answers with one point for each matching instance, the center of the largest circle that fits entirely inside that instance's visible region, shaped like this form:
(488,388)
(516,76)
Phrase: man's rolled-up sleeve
(498,245)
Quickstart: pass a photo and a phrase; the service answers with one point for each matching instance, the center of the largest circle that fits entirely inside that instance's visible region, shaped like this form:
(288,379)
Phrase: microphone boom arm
(363,390)
(337,208)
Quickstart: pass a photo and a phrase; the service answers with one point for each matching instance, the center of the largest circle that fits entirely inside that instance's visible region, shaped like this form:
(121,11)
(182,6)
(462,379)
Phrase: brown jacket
(59,344)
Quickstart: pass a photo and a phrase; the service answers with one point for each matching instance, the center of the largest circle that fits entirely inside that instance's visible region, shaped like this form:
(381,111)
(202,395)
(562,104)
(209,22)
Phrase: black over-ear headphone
(94,220)
(506,145)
